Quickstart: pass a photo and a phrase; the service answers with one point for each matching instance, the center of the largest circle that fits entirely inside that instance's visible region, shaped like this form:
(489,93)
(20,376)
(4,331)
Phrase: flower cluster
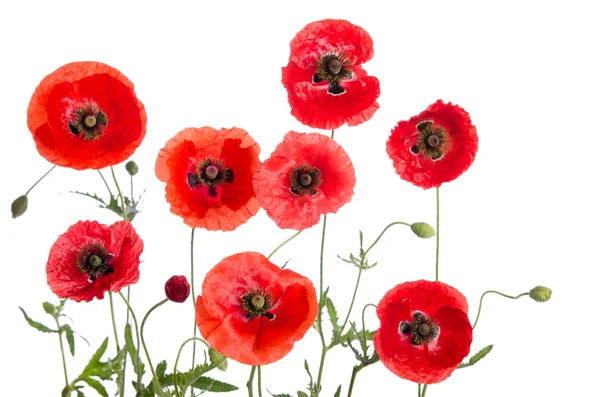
(85,115)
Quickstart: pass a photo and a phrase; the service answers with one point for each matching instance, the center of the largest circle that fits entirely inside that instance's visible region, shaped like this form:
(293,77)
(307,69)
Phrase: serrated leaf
(70,338)
(92,196)
(95,360)
(477,356)
(96,385)
(338,391)
(39,326)
(138,365)
(280,395)
(209,384)
(333,317)
(217,359)
(302,394)
(160,370)
(49,308)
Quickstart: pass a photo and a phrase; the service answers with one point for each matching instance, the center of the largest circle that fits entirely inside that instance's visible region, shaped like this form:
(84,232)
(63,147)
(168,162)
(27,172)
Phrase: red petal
(454,341)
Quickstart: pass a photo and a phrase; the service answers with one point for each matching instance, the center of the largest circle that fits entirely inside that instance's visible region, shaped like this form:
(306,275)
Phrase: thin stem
(383,232)
(424,390)
(498,293)
(259,383)
(137,331)
(284,243)
(114,323)
(355,372)
(105,183)
(332,134)
(193,296)
(131,184)
(39,180)
(363,321)
(437,240)
(112,170)
(62,352)
(419,390)
(154,378)
(360,270)
(179,354)
(321,304)
(249,384)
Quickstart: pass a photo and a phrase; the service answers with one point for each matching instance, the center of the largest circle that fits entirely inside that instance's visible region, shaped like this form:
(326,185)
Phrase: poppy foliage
(209,176)
(252,311)
(91,258)
(425,332)
(324,78)
(434,147)
(86,115)
(307,175)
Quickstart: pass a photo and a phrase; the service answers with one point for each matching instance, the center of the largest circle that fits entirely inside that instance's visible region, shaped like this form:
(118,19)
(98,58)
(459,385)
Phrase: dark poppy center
(94,260)
(256,303)
(433,141)
(305,179)
(333,68)
(88,121)
(422,329)
(210,173)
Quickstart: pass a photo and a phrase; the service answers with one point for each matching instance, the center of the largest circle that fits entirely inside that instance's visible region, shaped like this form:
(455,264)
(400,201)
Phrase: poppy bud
(19,206)
(131,167)
(177,289)
(422,229)
(540,294)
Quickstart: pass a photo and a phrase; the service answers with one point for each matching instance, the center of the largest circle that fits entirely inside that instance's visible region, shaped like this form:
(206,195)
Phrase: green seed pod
(131,167)
(422,230)
(19,206)
(540,294)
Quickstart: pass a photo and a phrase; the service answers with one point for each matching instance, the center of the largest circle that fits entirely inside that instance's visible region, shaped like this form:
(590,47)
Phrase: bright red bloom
(90,259)
(177,289)
(209,176)
(434,147)
(324,78)
(306,176)
(252,311)
(425,332)
(86,115)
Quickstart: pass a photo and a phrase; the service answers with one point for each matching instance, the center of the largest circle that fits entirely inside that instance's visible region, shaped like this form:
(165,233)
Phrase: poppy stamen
(305,179)
(256,303)
(432,142)
(89,121)
(210,173)
(333,68)
(422,329)
(93,260)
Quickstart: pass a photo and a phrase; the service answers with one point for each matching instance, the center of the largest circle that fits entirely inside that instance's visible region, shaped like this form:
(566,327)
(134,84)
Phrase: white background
(524,214)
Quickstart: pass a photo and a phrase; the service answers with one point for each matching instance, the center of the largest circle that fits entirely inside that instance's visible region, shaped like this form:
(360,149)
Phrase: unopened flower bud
(540,294)
(422,230)
(131,167)
(177,289)
(19,206)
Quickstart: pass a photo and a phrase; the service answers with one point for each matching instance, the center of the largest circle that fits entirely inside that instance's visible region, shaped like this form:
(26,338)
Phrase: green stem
(321,305)
(383,232)
(131,184)
(498,293)
(419,390)
(437,238)
(154,378)
(114,323)
(62,352)
(363,321)
(137,333)
(249,383)
(259,383)
(193,296)
(39,180)
(112,170)
(355,372)
(179,354)
(105,183)
(424,390)
(284,243)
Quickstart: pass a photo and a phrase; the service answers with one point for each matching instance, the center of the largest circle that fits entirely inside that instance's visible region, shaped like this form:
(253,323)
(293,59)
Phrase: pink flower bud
(177,289)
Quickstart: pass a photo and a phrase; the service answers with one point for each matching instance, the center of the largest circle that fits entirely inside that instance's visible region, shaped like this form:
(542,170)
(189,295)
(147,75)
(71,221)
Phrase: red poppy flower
(252,311)
(307,175)
(425,332)
(434,147)
(209,176)
(90,259)
(324,78)
(86,115)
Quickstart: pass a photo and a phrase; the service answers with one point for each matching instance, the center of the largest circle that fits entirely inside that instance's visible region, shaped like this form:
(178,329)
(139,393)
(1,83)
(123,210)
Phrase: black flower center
(422,329)
(93,260)
(333,68)
(256,303)
(210,173)
(433,141)
(305,179)
(88,121)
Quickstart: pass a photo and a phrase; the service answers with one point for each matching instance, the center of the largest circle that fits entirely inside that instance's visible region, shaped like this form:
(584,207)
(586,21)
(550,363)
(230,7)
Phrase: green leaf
(92,196)
(160,370)
(70,338)
(333,316)
(187,379)
(302,394)
(280,395)
(209,384)
(338,391)
(217,359)
(477,356)
(138,365)
(96,385)
(95,360)
(39,326)
(49,308)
